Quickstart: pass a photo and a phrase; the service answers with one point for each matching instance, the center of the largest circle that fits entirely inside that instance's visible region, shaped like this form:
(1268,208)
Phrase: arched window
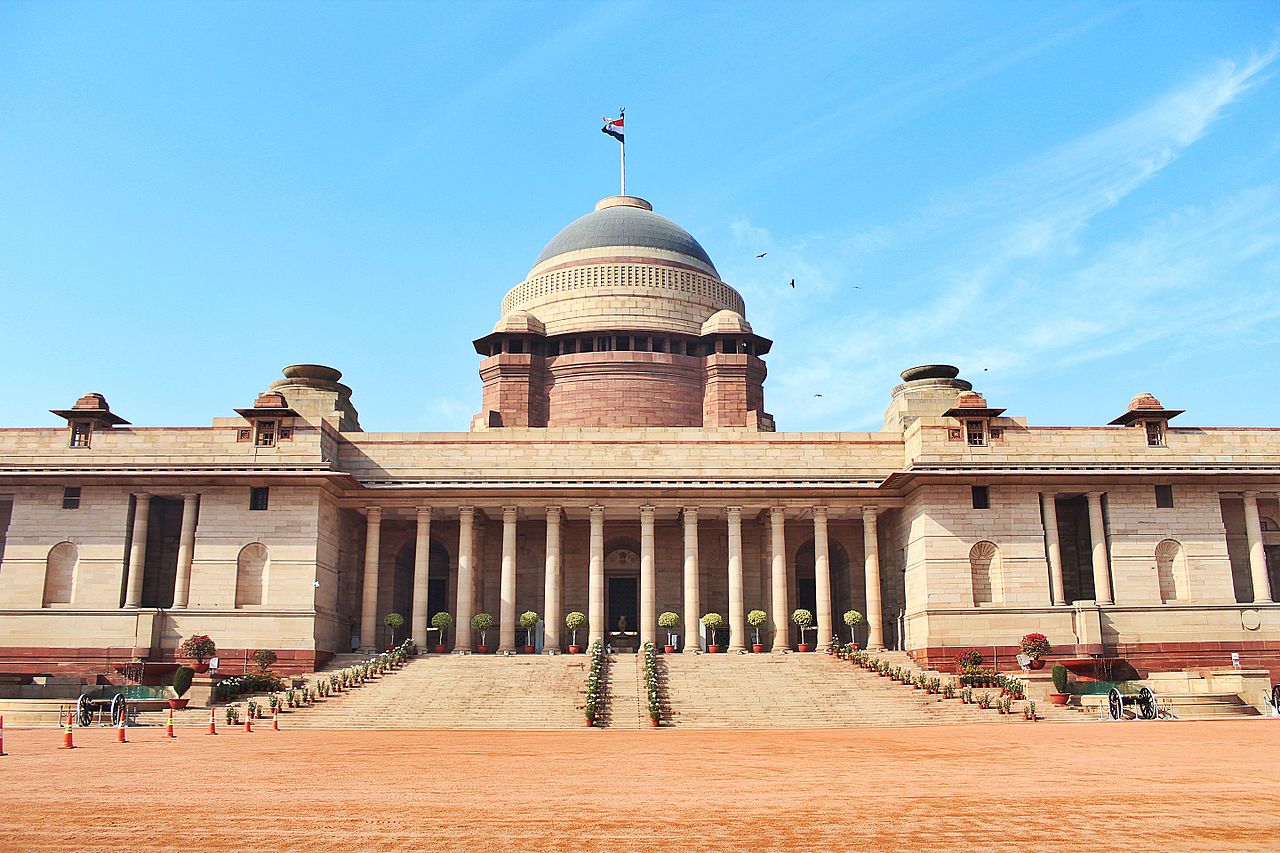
(251,575)
(60,573)
(988,579)
(1171,569)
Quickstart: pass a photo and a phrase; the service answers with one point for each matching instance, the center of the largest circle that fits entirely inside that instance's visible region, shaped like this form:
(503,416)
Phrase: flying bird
(817,395)
(793,284)
(762,254)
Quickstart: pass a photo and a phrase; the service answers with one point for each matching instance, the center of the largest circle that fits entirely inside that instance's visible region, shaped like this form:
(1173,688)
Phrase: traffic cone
(120,730)
(275,719)
(1,734)
(213,723)
(68,741)
(248,721)
(168,728)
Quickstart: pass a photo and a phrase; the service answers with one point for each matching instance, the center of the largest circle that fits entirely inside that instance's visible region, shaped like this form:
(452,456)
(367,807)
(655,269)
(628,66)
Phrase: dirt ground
(1038,786)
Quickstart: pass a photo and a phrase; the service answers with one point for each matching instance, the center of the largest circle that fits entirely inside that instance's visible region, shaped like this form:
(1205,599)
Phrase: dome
(521,322)
(726,322)
(625,221)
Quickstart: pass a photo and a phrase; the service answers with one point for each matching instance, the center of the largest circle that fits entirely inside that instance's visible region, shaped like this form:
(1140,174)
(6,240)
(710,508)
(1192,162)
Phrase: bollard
(168,729)
(213,723)
(120,731)
(68,740)
(275,719)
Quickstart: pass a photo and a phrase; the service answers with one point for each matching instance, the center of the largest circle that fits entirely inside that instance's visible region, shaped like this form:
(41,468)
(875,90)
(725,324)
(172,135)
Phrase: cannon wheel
(84,711)
(118,709)
(1115,704)
(1147,704)
(1275,697)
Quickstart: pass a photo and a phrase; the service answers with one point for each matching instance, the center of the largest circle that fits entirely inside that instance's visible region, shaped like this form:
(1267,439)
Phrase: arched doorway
(402,586)
(842,596)
(622,595)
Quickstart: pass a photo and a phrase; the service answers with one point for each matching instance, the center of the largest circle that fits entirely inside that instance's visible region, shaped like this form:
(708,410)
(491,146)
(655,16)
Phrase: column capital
(190,496)
(424,513)
(466,512)
(735,512)
(647,511)
(778,513)
(819,512)
(553,513)
(597,511)
(142,495)
(373,513)
(870,511)
(1250,493)
(1095,495)
(509,513)
(690,513)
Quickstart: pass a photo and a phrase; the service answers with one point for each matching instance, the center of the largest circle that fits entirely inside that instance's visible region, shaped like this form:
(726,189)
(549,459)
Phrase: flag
(613,127)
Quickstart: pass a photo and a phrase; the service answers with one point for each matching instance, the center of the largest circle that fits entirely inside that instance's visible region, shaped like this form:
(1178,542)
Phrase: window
(265,435)
(80,433)
(244,434)
(981,497)
(1164,497)
(1155,434)
(286,434)
(977,433)
(258,498)
(71,497)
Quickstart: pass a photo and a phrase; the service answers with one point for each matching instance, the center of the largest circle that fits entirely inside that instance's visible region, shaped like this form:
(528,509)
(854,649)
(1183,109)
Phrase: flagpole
(623,147)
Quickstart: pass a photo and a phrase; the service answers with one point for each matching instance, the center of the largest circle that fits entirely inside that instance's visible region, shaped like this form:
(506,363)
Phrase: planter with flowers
(200,648)
(1036,647)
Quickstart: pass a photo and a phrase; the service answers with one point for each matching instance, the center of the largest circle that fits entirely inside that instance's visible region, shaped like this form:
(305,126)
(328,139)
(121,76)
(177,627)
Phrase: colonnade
(553,578)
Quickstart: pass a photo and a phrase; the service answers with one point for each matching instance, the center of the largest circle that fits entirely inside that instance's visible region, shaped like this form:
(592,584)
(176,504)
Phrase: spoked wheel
(1147,704)
(84,711)
(1275,697)
(1115,704)
(118,709)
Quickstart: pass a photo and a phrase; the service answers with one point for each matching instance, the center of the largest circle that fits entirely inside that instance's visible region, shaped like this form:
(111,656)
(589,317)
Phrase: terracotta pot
(757,648)
(589,724)
(528,650)
(200,667)
(1036,664)
(668,650)
(653,722)
(803,647)
(483,650)
(440,649)
(573,650)
(1059,698)
(179,704)
(713,650)
(853,647)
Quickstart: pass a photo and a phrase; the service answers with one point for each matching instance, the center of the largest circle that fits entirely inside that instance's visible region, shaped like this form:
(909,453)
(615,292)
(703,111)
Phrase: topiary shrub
(574,620)
(755,619)
(1059,678)
(395,622)
(482,622)
(668,621)
(528,621)
(442,622)
(711,622)
(853,619)
(182,680)
(199,647)
(264,658)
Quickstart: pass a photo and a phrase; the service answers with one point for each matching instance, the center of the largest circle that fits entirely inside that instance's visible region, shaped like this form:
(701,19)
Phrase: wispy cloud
(1022,266)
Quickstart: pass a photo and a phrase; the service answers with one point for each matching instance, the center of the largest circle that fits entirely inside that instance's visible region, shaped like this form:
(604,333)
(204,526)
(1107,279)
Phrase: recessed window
(976,432)
(286,434)
(80,433)
(1164,497)
(258,497)
(1155,434)
(981,497)
(71,497)
(244,434)
(265,434)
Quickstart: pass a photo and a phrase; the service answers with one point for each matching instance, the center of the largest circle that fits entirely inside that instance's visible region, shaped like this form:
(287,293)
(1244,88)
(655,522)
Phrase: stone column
(369,601)
(692,598)
(552,595)
(1101,566)
(871,574)
(648,591)
(466,580)
(778,577)
(421,568)
(1048,502)
(186,550)
(137,550)
(507,598)
(1257,551)
(595,577)
(822,576)
(737,608)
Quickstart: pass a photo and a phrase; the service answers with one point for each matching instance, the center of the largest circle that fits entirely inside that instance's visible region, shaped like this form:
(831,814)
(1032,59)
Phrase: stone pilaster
(778,579)
(369,599)
(421,567)
(186,550)
(1101,564)
(137,550)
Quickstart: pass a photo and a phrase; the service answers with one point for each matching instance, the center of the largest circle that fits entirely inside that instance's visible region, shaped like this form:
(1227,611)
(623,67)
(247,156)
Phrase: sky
(1073,202)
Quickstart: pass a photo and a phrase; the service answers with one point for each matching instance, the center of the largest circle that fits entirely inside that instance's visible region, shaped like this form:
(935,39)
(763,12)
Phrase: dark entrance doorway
(623,612)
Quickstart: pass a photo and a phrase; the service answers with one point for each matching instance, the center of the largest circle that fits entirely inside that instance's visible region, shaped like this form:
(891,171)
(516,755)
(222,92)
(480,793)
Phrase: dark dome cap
(624,221)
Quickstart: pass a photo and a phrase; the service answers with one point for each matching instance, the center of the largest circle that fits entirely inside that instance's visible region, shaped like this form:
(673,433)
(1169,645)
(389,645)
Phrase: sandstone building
(623,464)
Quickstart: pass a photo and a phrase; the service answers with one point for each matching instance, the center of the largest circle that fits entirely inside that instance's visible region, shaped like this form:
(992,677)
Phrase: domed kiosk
(623,321)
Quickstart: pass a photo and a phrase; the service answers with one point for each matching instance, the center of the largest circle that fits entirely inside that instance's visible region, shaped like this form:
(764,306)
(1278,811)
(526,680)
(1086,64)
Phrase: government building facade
(622,464)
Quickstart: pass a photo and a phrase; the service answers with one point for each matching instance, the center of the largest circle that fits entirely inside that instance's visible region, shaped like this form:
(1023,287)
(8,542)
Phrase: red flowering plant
(1035,646)
(199,647)
(969,660)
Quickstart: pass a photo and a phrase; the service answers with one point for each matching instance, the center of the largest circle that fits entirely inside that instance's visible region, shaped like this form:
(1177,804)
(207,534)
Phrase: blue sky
(1073,202)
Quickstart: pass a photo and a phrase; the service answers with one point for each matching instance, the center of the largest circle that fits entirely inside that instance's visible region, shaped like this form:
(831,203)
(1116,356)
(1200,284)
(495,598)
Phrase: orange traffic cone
(168,728)
(275,719)
(248,722)
(68,741)
(120,730)
(213,723)
(1,734)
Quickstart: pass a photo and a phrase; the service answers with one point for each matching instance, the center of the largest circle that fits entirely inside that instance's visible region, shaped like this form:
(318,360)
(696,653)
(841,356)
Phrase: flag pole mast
(622,114)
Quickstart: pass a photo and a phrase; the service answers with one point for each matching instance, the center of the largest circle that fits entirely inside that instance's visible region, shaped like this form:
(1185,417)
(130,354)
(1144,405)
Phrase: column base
(735,650)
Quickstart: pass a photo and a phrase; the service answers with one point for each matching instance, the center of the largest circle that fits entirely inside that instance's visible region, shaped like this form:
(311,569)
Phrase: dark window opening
(71,497)
(515,346)
(266,434)
(80,433)
(258,496)
(244,434)
(981,497)
(1155,434)
(1164,497)
(977,433)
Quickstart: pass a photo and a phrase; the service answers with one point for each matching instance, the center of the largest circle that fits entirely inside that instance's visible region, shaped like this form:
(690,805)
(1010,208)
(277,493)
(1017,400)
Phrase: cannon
(100,708)
(1143,704)
(1275,699)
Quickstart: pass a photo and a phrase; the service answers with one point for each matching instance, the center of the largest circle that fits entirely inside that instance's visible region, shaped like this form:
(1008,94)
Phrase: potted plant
(1029,712)
(711,622)
(200,648)
(528,621)
(1059,673)
(393,621)
(482,622)
(853,619)
(264,658)
(442,622)
(573,621)
(755,619)
(1035,646)
(181,684)
(669,621)
(804,621)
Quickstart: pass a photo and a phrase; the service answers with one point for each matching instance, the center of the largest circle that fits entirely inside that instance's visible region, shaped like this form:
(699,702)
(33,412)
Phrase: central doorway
(622,600)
